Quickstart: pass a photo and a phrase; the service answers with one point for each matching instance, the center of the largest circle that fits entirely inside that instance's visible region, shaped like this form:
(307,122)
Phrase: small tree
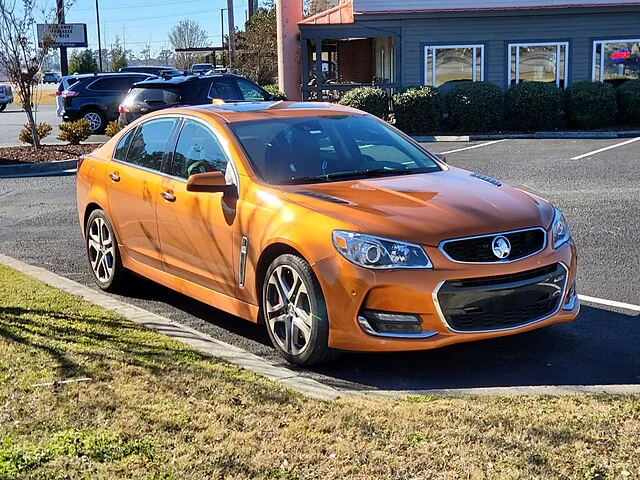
(83,61)
(21,56)
(118,55)
(257,48)
(187,34)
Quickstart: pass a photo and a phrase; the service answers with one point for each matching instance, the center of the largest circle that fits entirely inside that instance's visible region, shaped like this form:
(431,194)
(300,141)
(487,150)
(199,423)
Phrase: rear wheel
(295,312)
(97,120)
(103,253)
(2,106)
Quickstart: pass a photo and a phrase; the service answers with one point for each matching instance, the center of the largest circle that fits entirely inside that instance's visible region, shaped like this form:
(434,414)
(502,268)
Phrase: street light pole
(232,31)
(99,41)
(64,64)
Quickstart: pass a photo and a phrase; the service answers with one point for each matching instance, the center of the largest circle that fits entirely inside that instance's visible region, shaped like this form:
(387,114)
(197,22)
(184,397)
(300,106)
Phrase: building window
(616,60)
(539,62)
(453,63)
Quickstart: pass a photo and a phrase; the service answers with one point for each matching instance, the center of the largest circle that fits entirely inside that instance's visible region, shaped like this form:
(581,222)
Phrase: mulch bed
(48,153)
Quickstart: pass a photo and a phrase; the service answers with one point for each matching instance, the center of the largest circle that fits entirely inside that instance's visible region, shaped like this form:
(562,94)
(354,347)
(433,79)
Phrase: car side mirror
(209,182)
(440,157)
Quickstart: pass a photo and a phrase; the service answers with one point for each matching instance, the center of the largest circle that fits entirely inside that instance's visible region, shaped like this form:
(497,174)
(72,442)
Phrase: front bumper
(351,290)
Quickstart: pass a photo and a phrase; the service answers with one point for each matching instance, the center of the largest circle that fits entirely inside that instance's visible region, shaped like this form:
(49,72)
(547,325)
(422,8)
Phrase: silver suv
(6,96)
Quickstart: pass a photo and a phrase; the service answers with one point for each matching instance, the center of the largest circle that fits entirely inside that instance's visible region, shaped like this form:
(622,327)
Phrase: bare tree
(20,55)
(187,34)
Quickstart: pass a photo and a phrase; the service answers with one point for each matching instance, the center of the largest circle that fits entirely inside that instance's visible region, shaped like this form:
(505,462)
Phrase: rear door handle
(114,176)
(168,196)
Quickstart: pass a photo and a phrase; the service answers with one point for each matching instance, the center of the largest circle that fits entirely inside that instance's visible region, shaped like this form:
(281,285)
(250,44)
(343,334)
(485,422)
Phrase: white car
(6,96)
(65,83)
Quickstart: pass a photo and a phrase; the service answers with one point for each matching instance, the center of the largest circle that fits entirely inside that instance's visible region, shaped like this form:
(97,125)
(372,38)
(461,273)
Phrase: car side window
(120,153)
(250,91)
(223,88)
(197,151)
(149,143)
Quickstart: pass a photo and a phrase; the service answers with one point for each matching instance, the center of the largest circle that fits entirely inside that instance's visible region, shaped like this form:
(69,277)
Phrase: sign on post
(63,35)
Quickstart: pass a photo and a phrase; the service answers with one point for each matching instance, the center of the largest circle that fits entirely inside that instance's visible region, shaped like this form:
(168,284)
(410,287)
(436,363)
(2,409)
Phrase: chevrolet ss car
(332,228)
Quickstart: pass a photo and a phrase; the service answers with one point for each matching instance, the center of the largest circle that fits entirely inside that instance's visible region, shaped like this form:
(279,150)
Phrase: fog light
(392,325)
(572,298)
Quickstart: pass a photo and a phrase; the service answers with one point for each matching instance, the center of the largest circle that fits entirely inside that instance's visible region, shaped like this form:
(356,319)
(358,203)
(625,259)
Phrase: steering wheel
(200,166)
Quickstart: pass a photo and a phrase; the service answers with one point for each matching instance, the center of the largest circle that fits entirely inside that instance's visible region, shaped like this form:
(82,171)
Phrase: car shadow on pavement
(599,348)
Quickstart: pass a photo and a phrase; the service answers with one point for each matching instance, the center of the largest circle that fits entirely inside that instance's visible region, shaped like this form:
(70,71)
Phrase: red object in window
(620,55)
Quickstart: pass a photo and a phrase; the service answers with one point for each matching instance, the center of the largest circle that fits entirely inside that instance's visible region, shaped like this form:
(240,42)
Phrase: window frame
(558,46)
(601,43)
(234,85)
(431,51)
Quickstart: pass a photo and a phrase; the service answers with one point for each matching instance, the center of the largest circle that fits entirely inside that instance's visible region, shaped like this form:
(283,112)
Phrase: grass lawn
(159,410)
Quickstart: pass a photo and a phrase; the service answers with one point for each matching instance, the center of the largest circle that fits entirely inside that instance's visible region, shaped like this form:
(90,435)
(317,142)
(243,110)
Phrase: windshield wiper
(376,172)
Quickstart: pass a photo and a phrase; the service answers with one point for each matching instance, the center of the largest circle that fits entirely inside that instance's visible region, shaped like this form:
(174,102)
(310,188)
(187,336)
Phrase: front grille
(479,249)
(497,303)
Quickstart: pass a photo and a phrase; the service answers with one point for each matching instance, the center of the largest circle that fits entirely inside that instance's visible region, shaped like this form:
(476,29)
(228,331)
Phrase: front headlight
(379,253)
(559,229)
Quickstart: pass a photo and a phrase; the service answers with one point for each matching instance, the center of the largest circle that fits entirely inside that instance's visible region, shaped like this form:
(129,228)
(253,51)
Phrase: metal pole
(232,31)
(99,41)
(64,63)
(222,27)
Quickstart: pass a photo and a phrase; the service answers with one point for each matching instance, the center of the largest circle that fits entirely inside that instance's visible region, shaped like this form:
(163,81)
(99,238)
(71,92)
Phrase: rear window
(151,95)
(118,83)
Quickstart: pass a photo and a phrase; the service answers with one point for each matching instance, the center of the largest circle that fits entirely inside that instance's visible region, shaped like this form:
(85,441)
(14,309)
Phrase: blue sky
(139,22)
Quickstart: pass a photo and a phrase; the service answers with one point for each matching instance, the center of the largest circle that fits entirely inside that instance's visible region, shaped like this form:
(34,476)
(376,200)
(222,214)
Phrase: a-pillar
(289,13)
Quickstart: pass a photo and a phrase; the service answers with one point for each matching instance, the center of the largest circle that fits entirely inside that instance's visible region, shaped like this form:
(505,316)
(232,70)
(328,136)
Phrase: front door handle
(168,196)
(114,176)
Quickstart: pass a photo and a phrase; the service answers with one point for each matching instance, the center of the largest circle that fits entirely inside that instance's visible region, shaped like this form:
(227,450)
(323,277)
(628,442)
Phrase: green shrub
(75,132)
(369,99)
(629,101)
(43,129)
(113,127)
(275,92)
(534,106)
(418,110)
(475,107)
(591,105)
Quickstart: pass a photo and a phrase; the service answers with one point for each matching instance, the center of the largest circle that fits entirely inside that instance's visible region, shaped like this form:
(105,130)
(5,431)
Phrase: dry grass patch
(157,409)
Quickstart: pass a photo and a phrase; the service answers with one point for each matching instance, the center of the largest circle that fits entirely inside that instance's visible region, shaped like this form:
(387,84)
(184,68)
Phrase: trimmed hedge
(418,110)
(275,92)
(372,100)
(43,129)
(475,107)
(534,106)
(629,101)
(75,132)
(590,105)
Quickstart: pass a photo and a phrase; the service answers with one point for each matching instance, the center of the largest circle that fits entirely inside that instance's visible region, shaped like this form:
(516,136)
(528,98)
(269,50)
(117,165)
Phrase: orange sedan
(334,229)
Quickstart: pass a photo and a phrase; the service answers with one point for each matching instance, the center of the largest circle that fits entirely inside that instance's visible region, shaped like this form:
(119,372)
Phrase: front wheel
(295,312)
(103,253)
(2,106)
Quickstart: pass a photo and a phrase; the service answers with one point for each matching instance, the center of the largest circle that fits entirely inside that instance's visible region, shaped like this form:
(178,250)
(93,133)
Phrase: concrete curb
(528,136)
(288,378)
(64,167)
(182,333)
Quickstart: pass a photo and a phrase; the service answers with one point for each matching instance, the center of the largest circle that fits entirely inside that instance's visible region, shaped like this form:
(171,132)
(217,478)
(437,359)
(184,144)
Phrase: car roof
(180,79)
(246,111)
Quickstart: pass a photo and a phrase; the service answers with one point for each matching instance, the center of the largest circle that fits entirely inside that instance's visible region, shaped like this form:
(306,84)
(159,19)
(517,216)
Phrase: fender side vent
(322,196)
(490,180)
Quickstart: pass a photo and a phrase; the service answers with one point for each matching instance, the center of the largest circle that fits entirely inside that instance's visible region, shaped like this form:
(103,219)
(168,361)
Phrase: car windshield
(323,149)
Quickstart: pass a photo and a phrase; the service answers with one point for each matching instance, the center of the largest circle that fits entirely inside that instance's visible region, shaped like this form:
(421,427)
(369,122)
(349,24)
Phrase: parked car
(6,96)
(65,83)
(156,94)
(334,229)
(153,70)
(51,77)
(201,67)
(97,97)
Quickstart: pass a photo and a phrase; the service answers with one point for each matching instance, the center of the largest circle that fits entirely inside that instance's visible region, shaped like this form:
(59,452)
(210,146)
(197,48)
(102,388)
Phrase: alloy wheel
(288,310)
(95,121)
(101,250)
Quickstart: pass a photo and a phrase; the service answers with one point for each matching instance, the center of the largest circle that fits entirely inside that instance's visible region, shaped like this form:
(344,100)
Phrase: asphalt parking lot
(599,193)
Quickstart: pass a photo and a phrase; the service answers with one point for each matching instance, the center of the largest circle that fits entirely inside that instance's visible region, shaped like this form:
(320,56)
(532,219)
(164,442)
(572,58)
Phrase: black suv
(97,97)
(156,94)
(152,69)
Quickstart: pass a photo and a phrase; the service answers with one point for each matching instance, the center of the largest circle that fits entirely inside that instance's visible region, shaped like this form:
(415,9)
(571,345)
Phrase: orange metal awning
(340,15)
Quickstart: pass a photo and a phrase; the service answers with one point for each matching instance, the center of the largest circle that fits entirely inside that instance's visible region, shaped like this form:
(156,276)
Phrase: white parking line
(610,303)
(475,146)
(600,150)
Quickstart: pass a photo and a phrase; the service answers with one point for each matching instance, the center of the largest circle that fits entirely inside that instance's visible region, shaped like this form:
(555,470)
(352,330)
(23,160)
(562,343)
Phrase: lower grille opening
(503,302)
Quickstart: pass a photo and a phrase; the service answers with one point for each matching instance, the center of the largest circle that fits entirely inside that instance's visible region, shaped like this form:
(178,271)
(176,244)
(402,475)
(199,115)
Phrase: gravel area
(48,153)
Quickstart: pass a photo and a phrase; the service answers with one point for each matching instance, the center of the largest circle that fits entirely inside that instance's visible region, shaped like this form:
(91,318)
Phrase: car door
(224,88)
(196,228)
(251,92)
(133,180)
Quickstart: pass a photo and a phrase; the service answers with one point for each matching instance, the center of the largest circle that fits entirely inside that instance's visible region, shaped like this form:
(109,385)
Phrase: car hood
(425,208)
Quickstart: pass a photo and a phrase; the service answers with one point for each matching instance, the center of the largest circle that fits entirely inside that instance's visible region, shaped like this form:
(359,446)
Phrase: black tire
(96,118)
(315,349)
(2,106)
(111,280)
